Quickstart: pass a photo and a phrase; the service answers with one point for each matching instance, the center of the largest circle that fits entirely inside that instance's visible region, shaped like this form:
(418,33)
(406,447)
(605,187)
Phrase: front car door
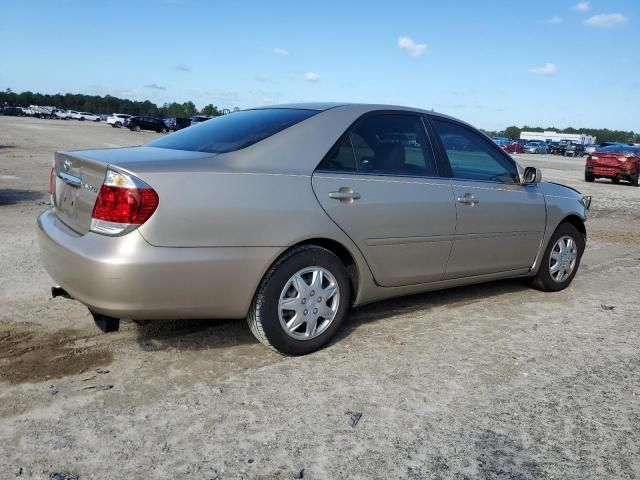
(380,185)
(501,222)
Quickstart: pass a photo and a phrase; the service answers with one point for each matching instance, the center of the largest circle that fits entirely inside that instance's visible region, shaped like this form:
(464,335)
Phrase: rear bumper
(125,277)
(612,171)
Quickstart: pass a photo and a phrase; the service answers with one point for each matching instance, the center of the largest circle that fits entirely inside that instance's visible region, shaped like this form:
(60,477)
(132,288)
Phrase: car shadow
(424,302)
(12,196)
(214,334)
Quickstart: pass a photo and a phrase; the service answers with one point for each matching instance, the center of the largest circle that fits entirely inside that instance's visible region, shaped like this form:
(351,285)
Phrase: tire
(615,180)
(81,119)
(137,128)
(113,125)
(635,180)
(104,323)
(164,130)
(264,317)
(544,280)
(117,124)
(588,177)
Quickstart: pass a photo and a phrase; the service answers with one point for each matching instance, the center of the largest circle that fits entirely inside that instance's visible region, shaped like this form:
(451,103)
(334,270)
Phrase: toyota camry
(290,215)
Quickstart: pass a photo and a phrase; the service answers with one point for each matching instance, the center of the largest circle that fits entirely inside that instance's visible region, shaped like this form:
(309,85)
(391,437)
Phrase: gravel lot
(494,381)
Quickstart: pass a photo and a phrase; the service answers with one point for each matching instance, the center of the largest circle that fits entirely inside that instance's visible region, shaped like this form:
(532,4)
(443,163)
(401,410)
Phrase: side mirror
(531,176)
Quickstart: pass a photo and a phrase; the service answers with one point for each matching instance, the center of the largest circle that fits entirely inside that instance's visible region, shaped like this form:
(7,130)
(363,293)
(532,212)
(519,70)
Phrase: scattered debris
(216,391)
(299,474)
(63,476)
(354,418)
(53,390)
(102,371)
(104,386)
(606,307)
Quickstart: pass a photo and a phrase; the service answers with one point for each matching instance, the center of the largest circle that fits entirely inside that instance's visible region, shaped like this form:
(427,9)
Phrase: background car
(74,114)
(574,149)
(590,148)
(514,147)
(61,114)
(177,123)
(288,216)
(13,112)
(535,147)
(117,120)
(135,124)
(200,118)
(92,117)
(617,162)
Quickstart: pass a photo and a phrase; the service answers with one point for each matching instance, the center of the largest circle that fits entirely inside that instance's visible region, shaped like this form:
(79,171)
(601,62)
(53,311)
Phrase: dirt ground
(494,381)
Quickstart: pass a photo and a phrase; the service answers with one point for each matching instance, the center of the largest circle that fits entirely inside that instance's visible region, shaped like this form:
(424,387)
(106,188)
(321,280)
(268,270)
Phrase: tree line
(106,104)
(601,134)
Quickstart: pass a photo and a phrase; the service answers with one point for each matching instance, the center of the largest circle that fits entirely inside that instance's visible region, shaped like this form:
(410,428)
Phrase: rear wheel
(117,124)
(164,130)
(588,177)
(137,128)
(615,180)
(635,180)
(301,302)
(560,260)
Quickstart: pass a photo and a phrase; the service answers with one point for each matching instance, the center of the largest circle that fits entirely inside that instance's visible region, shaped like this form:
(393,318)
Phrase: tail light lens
(124,202)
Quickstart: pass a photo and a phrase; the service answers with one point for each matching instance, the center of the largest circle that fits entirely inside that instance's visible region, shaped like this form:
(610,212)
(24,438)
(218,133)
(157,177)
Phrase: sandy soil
(494,381)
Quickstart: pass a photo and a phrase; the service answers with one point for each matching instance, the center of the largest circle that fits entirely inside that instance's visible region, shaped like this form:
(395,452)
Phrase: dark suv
(177,123)
(146,123)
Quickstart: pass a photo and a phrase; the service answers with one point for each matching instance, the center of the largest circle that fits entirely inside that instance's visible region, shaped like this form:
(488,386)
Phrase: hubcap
(308,303)
(564,256)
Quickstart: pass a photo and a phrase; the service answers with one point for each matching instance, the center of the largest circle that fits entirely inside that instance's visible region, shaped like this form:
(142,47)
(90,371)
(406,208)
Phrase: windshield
(233,131)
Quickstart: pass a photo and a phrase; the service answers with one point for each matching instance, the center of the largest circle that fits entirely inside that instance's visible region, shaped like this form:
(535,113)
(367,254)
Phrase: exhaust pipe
(58,291)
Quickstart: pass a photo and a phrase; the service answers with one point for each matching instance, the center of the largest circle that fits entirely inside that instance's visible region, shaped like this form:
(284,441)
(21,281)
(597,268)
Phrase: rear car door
(500,222)
(380,185)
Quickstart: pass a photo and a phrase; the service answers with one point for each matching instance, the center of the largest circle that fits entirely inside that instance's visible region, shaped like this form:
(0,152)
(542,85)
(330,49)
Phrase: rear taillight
(123,202)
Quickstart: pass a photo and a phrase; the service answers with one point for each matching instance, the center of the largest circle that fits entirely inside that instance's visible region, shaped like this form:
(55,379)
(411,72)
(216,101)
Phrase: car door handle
(345,195)
(468,199)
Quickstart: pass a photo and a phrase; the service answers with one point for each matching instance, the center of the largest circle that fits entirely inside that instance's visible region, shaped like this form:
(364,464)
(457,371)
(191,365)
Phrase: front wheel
(560,260)
(137,128)
(163,130)
(301,301)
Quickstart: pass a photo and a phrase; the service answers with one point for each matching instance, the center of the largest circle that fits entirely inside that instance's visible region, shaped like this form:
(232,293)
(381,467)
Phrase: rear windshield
(233,131)
(619,149)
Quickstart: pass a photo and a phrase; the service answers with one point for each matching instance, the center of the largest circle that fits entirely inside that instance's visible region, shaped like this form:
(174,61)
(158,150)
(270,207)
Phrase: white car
(73,114)
(82,116)
(61,114)
(116,120)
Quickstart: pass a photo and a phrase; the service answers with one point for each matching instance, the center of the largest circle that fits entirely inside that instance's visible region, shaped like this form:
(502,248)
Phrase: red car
(514,147)
(617,162)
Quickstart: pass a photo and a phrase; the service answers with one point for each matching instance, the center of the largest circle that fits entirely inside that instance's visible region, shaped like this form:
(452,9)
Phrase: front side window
(471,156)
(393,144)
(233,131)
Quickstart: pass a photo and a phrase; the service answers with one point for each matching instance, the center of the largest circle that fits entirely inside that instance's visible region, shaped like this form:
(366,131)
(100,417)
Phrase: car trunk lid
(77,180)
(78,175)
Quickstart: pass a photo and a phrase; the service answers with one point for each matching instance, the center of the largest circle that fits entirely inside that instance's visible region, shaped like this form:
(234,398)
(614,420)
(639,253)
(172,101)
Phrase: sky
(492,63)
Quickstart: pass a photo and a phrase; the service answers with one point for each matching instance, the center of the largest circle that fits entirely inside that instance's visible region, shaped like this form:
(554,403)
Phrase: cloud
(182,68)
(582,7)
(311,77)
(155,86)
(548,70)
(606,20)
(414,49)
(555,20)
(280,51)
(127,92)
(261,79)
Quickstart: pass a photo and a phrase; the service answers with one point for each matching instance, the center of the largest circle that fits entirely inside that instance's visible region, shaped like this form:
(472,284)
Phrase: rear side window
(392,144)
(233,131)
(471,156)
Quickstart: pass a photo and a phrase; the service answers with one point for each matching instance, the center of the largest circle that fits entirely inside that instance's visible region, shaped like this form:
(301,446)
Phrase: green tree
(210,110)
